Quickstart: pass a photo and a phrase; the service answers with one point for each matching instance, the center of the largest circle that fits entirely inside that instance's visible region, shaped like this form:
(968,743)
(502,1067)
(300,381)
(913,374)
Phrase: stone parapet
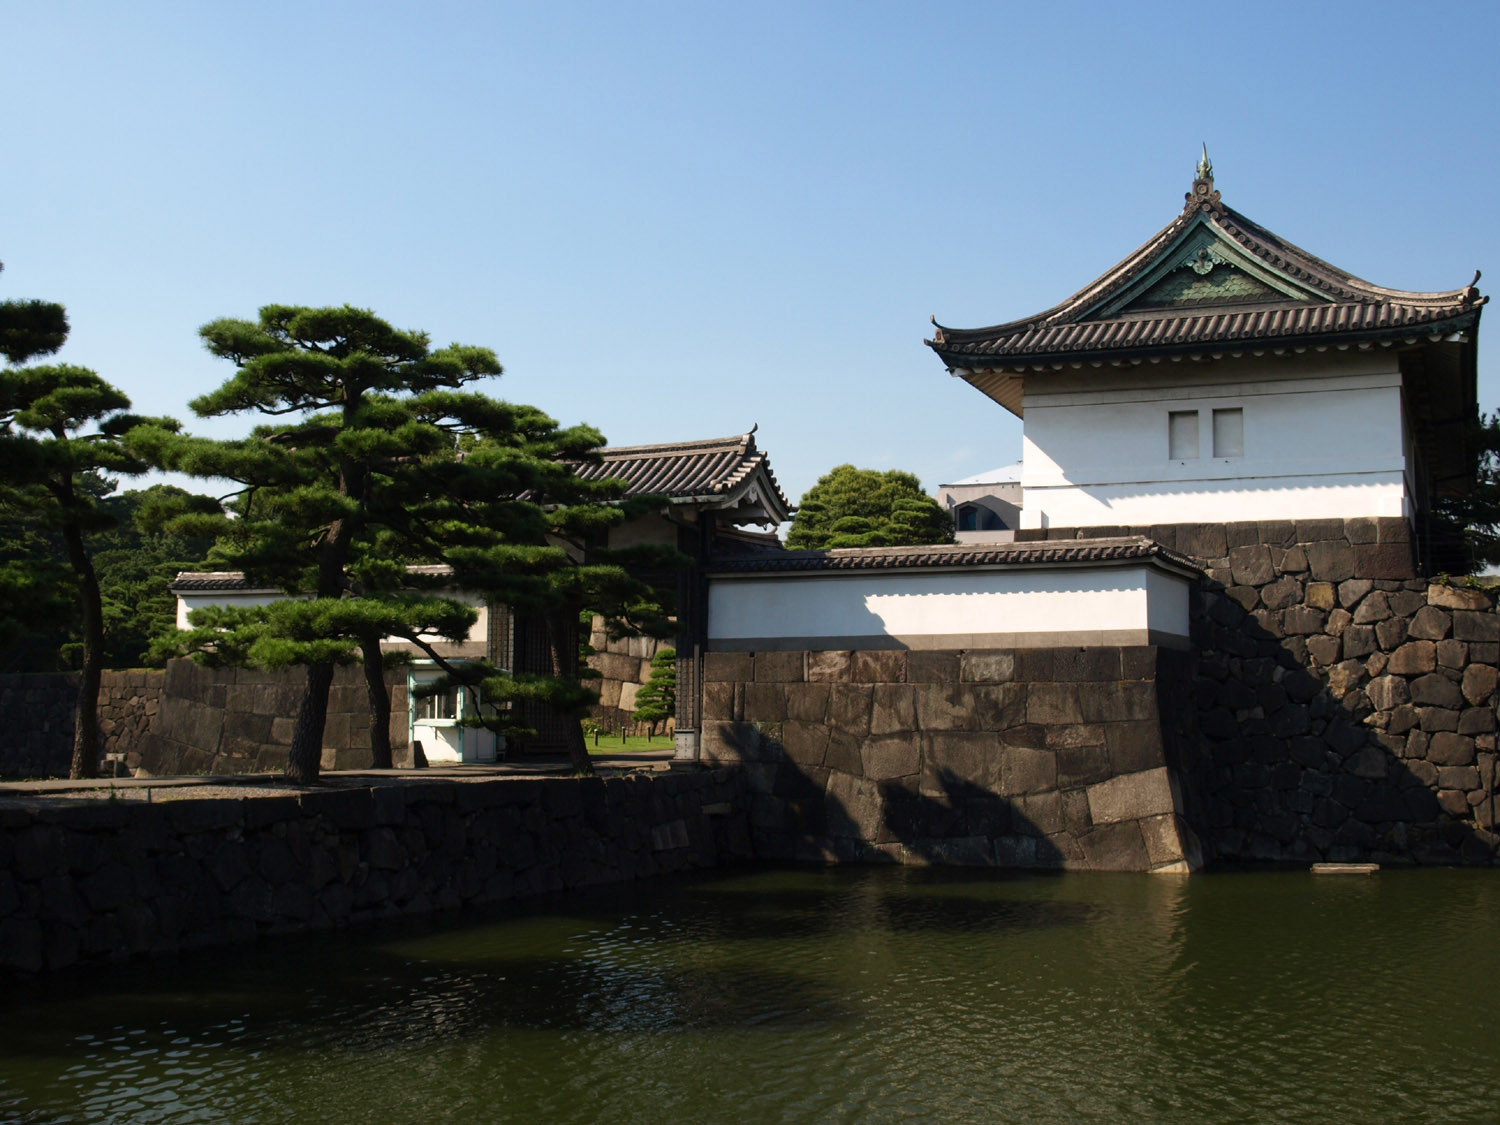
(102,880)
(1010,758)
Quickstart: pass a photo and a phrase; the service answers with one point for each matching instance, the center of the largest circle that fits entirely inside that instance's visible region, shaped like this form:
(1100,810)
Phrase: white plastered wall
(1323,437)
(189,600)
(1018,608)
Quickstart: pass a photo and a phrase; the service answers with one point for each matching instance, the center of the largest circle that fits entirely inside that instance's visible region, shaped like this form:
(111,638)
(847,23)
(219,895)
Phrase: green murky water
(866,995)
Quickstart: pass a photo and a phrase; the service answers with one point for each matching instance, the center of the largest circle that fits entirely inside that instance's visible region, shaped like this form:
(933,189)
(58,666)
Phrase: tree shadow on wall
(818,814)
(1294,771)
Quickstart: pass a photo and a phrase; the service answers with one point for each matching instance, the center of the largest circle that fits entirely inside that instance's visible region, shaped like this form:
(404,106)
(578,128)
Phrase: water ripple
(813,995)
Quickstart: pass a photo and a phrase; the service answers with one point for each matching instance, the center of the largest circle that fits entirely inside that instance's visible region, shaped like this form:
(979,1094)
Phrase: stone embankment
(1346,705)
(1011,758)
(95,880)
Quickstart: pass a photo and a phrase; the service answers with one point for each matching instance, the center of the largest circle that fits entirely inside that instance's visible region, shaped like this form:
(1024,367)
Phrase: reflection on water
(812,995)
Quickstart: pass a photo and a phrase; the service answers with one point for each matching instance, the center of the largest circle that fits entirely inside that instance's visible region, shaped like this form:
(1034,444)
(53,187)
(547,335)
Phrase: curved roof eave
(1204,208)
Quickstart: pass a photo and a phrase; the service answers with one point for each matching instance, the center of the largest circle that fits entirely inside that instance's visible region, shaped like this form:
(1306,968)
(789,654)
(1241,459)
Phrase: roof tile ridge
(1307,266)
(735,441)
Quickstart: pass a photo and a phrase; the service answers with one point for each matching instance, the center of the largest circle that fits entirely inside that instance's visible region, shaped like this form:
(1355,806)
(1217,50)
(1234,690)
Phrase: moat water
(846,994)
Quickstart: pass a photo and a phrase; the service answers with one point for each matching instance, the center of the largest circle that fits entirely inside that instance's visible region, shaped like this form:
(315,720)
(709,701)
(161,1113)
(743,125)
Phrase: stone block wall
(129,707)
(624,666)
(89,881)
(1017,758)
(38,717)
(191,719)
(239,720)
(1346,705)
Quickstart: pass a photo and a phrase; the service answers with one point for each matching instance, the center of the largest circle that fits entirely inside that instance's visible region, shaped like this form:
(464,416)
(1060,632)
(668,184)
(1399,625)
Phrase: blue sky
(673,220)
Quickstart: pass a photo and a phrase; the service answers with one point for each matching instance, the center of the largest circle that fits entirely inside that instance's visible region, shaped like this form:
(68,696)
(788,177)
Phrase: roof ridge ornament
(1203,197)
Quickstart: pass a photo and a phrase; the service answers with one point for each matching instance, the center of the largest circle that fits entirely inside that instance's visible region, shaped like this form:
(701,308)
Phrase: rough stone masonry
(1019,758)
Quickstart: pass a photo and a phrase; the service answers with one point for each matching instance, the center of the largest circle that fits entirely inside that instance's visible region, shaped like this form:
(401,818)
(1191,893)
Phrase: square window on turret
(1229,432)
(1182,435)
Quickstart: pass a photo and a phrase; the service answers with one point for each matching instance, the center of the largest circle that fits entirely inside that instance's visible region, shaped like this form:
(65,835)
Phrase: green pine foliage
(851,507)
(63,435)
(379,458)
(41,626)
(657,700)
(1477,513)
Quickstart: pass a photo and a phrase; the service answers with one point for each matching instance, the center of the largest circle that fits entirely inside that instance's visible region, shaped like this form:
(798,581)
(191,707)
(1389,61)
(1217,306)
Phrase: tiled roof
(722,472)
(1062,552)
(189,580)
(210,580)
(1307,301)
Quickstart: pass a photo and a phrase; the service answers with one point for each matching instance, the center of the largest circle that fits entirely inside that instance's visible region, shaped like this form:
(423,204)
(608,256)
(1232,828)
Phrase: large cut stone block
(1430,624)
(878,666)
(1026,770)
(1471,625)
(1331,560)
(1048,703)
(1202,540)
(734,667)
(1116,847)
(1413,659)
(807,703)
(849,708)
(779,667)
(945,706)
(1133,746)
(932,667)
(1457,597)
(854,808)
(830,666)
(718,700)
(998,707)
(973,756)
(1087,665)
(1131,797)
(1123,701)
(888,758)
(1383,560)
(1163,840)
(804,743)
(1479,682)
(985,667)
(765,703)
(893,709)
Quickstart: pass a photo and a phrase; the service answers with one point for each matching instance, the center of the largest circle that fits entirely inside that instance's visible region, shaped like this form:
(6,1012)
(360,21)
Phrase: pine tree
(657,700)
(385,462)
(61,434)
(61,429)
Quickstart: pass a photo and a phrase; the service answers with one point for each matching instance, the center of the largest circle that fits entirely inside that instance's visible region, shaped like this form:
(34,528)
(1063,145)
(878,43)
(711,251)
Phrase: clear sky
(674,220)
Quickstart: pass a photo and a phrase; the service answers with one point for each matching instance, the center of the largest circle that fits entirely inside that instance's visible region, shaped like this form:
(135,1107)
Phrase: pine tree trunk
(564,644)
(86,711)
(380,704)
(305,758)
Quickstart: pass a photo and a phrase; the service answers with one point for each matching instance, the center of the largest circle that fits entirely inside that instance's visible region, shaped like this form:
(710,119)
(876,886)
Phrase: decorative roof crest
(1203,196)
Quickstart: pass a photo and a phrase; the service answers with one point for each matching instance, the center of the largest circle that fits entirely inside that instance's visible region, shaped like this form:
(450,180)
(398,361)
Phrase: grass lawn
(614,744)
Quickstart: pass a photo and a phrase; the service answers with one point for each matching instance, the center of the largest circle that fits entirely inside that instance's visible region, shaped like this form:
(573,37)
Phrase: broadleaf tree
(850,507)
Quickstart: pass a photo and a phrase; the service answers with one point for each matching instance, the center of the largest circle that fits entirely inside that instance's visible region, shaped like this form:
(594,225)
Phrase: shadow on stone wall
(1346,730)
(812,814)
